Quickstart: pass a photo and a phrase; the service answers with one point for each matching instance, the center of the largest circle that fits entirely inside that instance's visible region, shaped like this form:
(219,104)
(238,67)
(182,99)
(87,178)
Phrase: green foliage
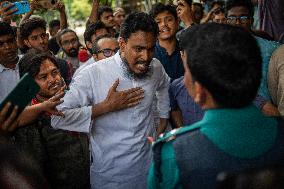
(79,10)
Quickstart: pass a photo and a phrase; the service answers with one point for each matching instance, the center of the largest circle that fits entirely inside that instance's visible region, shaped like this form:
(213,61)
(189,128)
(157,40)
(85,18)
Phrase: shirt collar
(2,68)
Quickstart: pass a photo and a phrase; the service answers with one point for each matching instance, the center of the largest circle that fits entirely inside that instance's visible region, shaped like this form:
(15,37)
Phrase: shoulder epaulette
(175,132)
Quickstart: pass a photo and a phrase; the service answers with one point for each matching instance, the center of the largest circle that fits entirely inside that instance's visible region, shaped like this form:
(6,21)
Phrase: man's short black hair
(31,62)
(138,21)
(217,2)
(91,30)
(160,7)
(62,32)
(189,2)
(240,3)
(54,23)
(27,26)
(226,60)
(95,48)
(6,29)
(103,9)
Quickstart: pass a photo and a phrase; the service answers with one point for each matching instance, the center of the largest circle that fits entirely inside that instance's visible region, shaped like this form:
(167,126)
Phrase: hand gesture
(60,6)
(50,104)
(6,11)
(8,123)
(118,100)
(184,12)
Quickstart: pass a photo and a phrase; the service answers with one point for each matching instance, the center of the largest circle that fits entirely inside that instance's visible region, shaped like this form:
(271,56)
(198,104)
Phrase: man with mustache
(69,43)
(120,151)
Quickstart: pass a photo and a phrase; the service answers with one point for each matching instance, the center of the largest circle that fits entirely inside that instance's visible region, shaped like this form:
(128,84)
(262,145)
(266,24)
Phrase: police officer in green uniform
(222,73)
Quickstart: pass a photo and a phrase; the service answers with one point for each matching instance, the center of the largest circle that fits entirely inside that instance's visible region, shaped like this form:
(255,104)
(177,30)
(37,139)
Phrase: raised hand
(8,123)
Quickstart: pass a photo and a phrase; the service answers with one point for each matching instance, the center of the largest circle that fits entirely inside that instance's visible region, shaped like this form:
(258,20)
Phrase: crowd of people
(188,95)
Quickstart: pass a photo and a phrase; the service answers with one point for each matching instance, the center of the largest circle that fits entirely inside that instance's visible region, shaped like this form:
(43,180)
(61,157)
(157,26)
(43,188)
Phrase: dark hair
(31,62)
(189,2)
(27,26)
(54,23)
(95,48)
(6,29)
(103,9)
(217,2)
(226,60)
(62,32)
(240,3)
(91,30)
(138,21)
(160,7)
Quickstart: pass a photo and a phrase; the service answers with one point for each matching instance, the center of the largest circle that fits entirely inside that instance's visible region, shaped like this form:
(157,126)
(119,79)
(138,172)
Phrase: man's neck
(10,65)
(169,45)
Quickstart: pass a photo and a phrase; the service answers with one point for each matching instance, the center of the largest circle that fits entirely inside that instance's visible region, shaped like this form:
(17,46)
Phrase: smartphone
(22,94)
(22,6)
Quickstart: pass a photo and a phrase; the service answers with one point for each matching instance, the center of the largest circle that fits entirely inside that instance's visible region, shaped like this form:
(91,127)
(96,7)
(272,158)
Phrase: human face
(53,31)
(237,16)
(98,33)
(168,25)
(70,44)
(119,18)
(219,18)
(107,19)
(8,50)
(49,79)
(38,39)
(137,52)
(109,45)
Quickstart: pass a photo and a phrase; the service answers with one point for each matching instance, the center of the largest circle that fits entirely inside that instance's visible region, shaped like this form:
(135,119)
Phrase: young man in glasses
(240,13)
(104,47)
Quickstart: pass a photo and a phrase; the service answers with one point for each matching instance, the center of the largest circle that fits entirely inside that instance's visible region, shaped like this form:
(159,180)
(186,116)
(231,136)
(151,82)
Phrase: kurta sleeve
(162,93)
(77,105)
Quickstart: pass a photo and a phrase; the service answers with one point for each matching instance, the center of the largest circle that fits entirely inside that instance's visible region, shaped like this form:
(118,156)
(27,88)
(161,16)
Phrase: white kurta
(120,150)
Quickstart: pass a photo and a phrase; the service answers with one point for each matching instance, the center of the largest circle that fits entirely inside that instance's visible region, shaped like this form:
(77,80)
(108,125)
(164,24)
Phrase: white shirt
(89,62)
(120,150)
(8,80)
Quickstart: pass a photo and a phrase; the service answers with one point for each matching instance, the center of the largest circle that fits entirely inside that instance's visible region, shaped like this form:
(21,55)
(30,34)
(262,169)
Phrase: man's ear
(200,94)
(89,45)
(122,44)
(27,43)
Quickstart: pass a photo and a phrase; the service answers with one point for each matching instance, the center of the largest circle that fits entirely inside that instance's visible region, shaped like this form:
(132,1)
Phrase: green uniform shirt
(250,132)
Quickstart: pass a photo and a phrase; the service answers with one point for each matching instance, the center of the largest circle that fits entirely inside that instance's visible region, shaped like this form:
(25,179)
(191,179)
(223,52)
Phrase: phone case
(22,94)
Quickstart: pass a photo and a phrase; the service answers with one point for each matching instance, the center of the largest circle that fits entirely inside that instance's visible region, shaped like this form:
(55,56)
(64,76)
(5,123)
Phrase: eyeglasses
(67,43)
(242,19)
(108,52)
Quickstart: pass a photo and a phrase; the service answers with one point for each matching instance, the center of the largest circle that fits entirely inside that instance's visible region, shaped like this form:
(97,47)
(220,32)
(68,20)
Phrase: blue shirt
(266,49)
(172,63)
(179,98)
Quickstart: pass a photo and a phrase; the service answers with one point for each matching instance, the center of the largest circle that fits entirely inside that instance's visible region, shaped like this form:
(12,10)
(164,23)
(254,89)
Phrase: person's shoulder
(267,43)
(175,134)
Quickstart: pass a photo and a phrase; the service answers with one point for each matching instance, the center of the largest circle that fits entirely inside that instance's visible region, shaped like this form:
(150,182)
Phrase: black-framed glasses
(234,19)
(108,52)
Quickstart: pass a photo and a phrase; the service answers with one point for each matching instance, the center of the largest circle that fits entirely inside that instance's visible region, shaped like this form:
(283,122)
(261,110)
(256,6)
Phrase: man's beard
(72,52)
(137,76)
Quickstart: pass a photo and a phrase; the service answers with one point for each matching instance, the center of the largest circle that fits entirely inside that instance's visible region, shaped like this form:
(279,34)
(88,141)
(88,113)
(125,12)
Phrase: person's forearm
(30,114)
(162,126)
(176,118)
(100,109)
(94,12)
(63,20)
(26,16)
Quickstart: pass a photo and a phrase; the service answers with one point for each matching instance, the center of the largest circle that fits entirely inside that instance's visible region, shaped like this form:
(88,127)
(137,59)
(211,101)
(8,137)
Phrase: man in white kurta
(120,151)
